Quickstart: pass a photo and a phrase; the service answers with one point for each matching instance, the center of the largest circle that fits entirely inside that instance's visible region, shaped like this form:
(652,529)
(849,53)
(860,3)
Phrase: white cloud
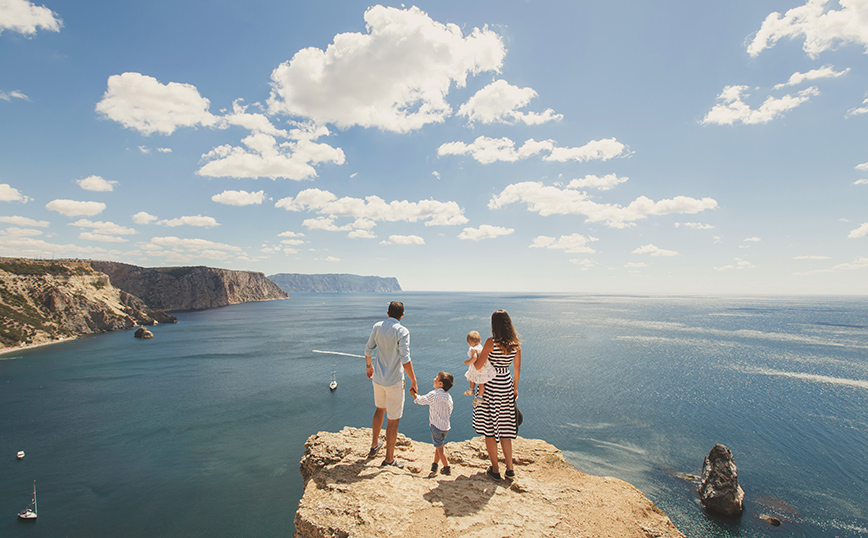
(861,231)
(573,243)
(485,231)
(187,249)
(694,225)
(732,108)
(488,150)
(654,251)
(859,263)
(25,18)
(330,259)
(16,245)
(146,150)
(605,183)
(822,30)
(827,71)
(404,240)
(143,218)
(96,183)
(103,228)
(24,221)
(584,264)
(253,122)
(550,200)
(399,72)
(14,94)
(264,157)
(499,102)
(140,102)
(635,265)
(862,167)
(293,242)
(20,232)
(73,208)
(739,265)
(89,236)
(861,182)
(239,198)
(375,209)
(752,239)
(9,193)
(810,257)
(858,111)
(290,234)
(197,220)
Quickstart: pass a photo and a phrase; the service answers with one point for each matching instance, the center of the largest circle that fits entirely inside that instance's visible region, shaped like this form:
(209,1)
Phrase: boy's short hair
(447,380)
(396,309)
(473,336)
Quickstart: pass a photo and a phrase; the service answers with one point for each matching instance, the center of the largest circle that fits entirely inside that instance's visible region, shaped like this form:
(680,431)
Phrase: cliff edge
(346,493)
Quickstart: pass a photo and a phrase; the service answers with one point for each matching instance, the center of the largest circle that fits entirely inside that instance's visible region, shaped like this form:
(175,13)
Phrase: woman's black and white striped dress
(496,416)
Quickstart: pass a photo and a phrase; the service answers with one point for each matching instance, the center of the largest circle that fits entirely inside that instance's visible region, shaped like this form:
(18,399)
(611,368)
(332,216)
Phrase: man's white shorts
(391,398)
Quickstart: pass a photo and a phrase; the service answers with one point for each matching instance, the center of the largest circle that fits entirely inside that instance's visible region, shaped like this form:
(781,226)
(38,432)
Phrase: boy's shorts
(391,399)
(438,437)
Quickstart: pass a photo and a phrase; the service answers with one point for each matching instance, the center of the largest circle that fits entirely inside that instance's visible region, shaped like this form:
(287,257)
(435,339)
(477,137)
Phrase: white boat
(29,512)
(20,455)
(334,384)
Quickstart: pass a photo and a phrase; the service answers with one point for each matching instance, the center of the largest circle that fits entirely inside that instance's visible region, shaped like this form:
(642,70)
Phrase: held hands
(369,371)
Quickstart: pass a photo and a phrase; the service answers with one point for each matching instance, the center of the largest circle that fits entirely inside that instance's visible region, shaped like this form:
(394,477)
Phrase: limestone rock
(719,491)
(348,494)
(335,283)
(143,333)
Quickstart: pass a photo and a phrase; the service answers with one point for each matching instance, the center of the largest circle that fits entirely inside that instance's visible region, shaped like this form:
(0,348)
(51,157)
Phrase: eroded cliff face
(190,288)
(42,301)
(346,493)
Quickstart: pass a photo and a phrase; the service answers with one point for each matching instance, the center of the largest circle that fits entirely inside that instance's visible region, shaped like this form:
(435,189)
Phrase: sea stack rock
(719,491)
(142,332)
(347,493)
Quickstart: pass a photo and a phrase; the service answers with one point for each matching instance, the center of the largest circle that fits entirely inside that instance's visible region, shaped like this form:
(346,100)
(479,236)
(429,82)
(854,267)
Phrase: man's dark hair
(447,380)
(396,309)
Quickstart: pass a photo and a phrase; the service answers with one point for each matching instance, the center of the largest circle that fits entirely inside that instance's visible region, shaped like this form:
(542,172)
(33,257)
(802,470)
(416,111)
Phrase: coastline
(25,347)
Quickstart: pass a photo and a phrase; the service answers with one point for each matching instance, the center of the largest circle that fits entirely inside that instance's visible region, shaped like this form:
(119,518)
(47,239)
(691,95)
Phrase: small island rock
(719,491)
(142,332)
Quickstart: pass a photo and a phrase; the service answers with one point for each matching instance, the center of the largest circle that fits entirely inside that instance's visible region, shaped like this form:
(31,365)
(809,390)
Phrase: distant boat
(29,512)
(20,455)
(334,384)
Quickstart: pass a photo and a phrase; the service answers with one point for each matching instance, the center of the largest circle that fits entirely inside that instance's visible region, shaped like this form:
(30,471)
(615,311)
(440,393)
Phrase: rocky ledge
(346,493)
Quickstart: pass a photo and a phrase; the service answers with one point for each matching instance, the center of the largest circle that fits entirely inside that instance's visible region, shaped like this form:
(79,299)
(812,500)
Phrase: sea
(199,431)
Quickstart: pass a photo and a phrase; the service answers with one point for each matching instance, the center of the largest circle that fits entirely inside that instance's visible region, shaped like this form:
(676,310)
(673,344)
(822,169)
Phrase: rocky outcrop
(335,283)
(43,301)
(189,288)
(719,491)
(348,494)
(143,333)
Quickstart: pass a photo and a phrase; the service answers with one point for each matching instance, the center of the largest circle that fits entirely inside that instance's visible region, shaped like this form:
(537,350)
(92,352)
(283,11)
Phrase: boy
(440,409)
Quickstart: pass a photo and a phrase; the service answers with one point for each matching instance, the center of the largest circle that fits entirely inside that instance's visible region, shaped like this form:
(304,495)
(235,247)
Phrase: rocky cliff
(346,493)
(42,301)
(189,288)
(335,283)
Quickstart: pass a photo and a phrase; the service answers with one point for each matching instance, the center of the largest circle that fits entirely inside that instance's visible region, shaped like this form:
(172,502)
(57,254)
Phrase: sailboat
(29,512)
(334,384)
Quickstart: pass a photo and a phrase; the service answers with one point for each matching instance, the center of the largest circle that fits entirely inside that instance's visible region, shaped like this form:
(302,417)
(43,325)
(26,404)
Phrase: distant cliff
(42,301)
(335,283)
(190,288)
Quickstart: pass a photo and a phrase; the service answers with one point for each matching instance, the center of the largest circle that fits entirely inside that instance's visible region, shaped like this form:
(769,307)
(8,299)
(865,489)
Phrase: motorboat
(29,513)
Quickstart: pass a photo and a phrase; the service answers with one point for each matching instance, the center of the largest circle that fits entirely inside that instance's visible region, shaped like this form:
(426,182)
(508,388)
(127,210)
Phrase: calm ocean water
(199,431)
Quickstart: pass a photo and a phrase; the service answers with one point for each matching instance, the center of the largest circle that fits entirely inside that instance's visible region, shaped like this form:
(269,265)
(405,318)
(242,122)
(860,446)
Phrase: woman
(495,417)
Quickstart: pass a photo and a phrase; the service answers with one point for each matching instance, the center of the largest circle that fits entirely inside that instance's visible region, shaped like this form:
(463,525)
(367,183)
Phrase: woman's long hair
(503,333)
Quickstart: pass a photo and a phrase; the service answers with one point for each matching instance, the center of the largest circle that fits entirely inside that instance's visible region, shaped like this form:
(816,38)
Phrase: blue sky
(572,146)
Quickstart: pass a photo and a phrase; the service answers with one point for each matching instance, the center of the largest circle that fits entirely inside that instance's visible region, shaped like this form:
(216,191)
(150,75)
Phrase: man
(392,342)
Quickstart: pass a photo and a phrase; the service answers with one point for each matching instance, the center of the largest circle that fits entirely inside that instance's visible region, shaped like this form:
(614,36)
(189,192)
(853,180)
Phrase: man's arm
(408,367)
(369,352)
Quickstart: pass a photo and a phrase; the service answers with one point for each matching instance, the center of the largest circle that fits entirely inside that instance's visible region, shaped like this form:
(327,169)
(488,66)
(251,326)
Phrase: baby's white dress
(483,375)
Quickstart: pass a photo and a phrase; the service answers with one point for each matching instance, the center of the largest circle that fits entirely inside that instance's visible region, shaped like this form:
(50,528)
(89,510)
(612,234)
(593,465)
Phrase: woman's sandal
(490,472)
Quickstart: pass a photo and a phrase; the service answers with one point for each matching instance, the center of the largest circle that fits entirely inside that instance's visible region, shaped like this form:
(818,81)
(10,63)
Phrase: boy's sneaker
(434,467)
(447,470)
(469,392)
(478,401)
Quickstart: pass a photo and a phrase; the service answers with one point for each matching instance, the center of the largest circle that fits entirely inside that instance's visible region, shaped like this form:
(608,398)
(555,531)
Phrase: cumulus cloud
(488,150)
(140,102)
(24,221)
(404,240)
(827,71)
(861,231)
(732,108)
(20,232)
(9,193)
(398,73)
(103,228)
(24,17)
(175,249)
(584,264)
(635,265)
(197,220)
(17,245)
(264,157)
(568,243)
(694,225)
(143,217)
(96,183)
(290,234)
(822,29)
(654,251)
(252,121)
(550,200)
(810,257)
(858,111)
(862,167)
(861,182)
(14,94)
(240,198)
(73,208)
(146,150)
(485,231)
(90,236)
(752,239)
(605,183)
(374,209)
(500,101)
(859,263)
(739,265)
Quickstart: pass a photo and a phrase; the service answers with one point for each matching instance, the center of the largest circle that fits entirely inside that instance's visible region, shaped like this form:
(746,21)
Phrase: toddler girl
(474,375)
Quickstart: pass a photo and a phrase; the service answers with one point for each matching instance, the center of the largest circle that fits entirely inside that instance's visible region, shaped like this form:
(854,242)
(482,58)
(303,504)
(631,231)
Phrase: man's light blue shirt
(392,342)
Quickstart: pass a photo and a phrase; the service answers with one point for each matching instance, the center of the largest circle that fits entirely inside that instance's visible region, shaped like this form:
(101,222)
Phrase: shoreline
(26,347)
